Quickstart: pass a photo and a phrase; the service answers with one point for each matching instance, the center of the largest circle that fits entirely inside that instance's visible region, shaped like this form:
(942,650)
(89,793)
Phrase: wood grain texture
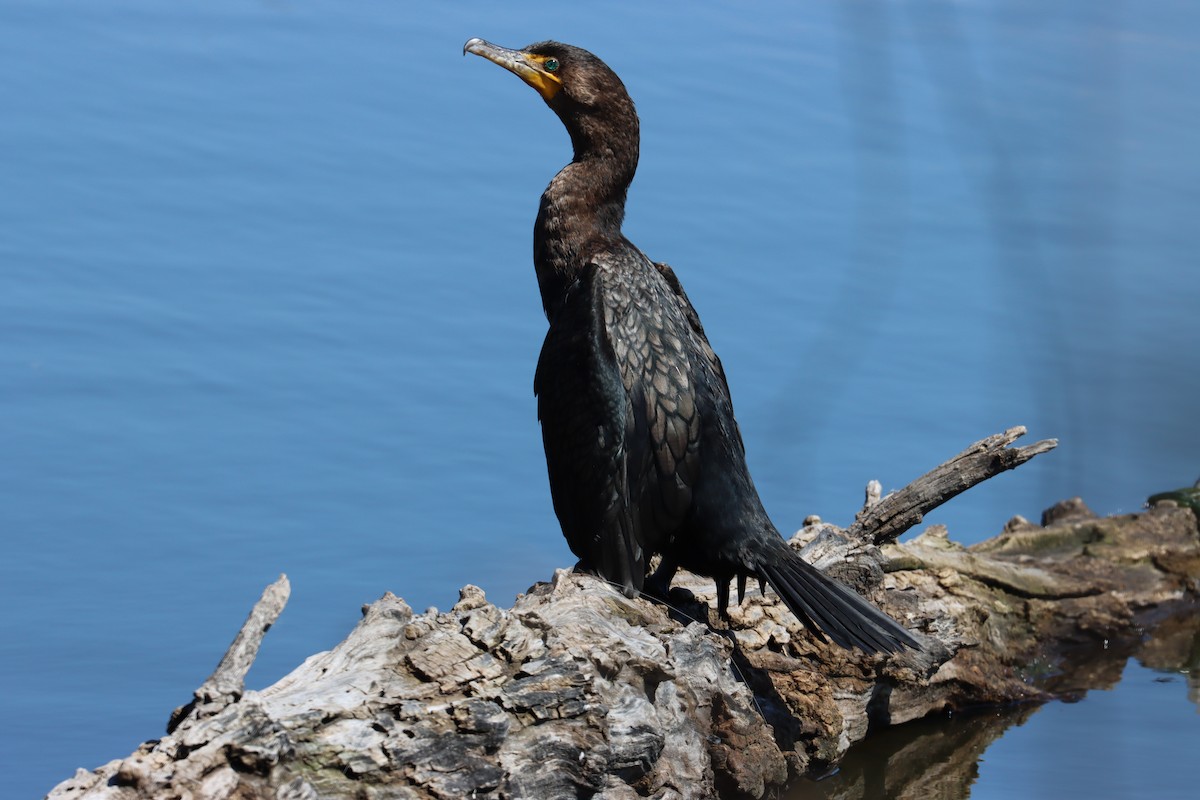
(579,691)
(885,519)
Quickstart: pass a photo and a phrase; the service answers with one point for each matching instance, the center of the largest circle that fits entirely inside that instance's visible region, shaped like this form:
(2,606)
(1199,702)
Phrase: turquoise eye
(551,64)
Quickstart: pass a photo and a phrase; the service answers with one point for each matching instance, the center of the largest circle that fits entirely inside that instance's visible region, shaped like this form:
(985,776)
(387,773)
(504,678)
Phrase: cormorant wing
(587,424)
(667,369)
(707,351)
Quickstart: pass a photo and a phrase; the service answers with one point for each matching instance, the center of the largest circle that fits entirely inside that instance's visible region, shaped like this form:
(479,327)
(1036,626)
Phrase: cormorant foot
(656,587)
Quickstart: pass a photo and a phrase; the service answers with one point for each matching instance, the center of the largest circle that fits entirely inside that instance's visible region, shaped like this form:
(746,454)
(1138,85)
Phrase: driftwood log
(577,691)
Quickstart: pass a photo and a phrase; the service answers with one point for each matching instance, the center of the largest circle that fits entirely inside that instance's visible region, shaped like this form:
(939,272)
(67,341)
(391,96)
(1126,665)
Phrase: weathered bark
(883,520)
(227,683)
(577,691)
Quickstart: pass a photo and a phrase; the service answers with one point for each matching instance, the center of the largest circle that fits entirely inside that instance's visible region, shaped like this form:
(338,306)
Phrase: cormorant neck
(583,207)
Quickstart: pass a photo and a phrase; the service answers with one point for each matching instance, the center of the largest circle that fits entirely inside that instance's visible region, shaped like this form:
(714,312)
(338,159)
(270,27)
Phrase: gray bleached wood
(884,519)
(227,683)
(577,691)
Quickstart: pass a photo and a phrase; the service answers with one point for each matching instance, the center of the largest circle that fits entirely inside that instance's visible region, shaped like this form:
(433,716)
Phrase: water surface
(266,301)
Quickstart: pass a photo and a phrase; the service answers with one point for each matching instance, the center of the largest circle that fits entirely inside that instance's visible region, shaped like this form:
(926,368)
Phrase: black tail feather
(829,608)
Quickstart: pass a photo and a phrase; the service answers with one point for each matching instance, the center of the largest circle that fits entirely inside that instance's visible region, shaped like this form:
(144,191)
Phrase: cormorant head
(586,95)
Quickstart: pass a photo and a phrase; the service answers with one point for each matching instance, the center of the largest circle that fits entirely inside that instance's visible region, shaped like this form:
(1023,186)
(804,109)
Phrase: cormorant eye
(551,64)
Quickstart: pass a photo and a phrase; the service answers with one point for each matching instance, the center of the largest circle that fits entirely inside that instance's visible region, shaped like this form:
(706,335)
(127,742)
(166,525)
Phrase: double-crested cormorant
(642,448)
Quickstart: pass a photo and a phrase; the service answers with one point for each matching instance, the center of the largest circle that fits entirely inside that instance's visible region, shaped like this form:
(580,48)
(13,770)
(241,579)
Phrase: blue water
(1137,741)
(266,300)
